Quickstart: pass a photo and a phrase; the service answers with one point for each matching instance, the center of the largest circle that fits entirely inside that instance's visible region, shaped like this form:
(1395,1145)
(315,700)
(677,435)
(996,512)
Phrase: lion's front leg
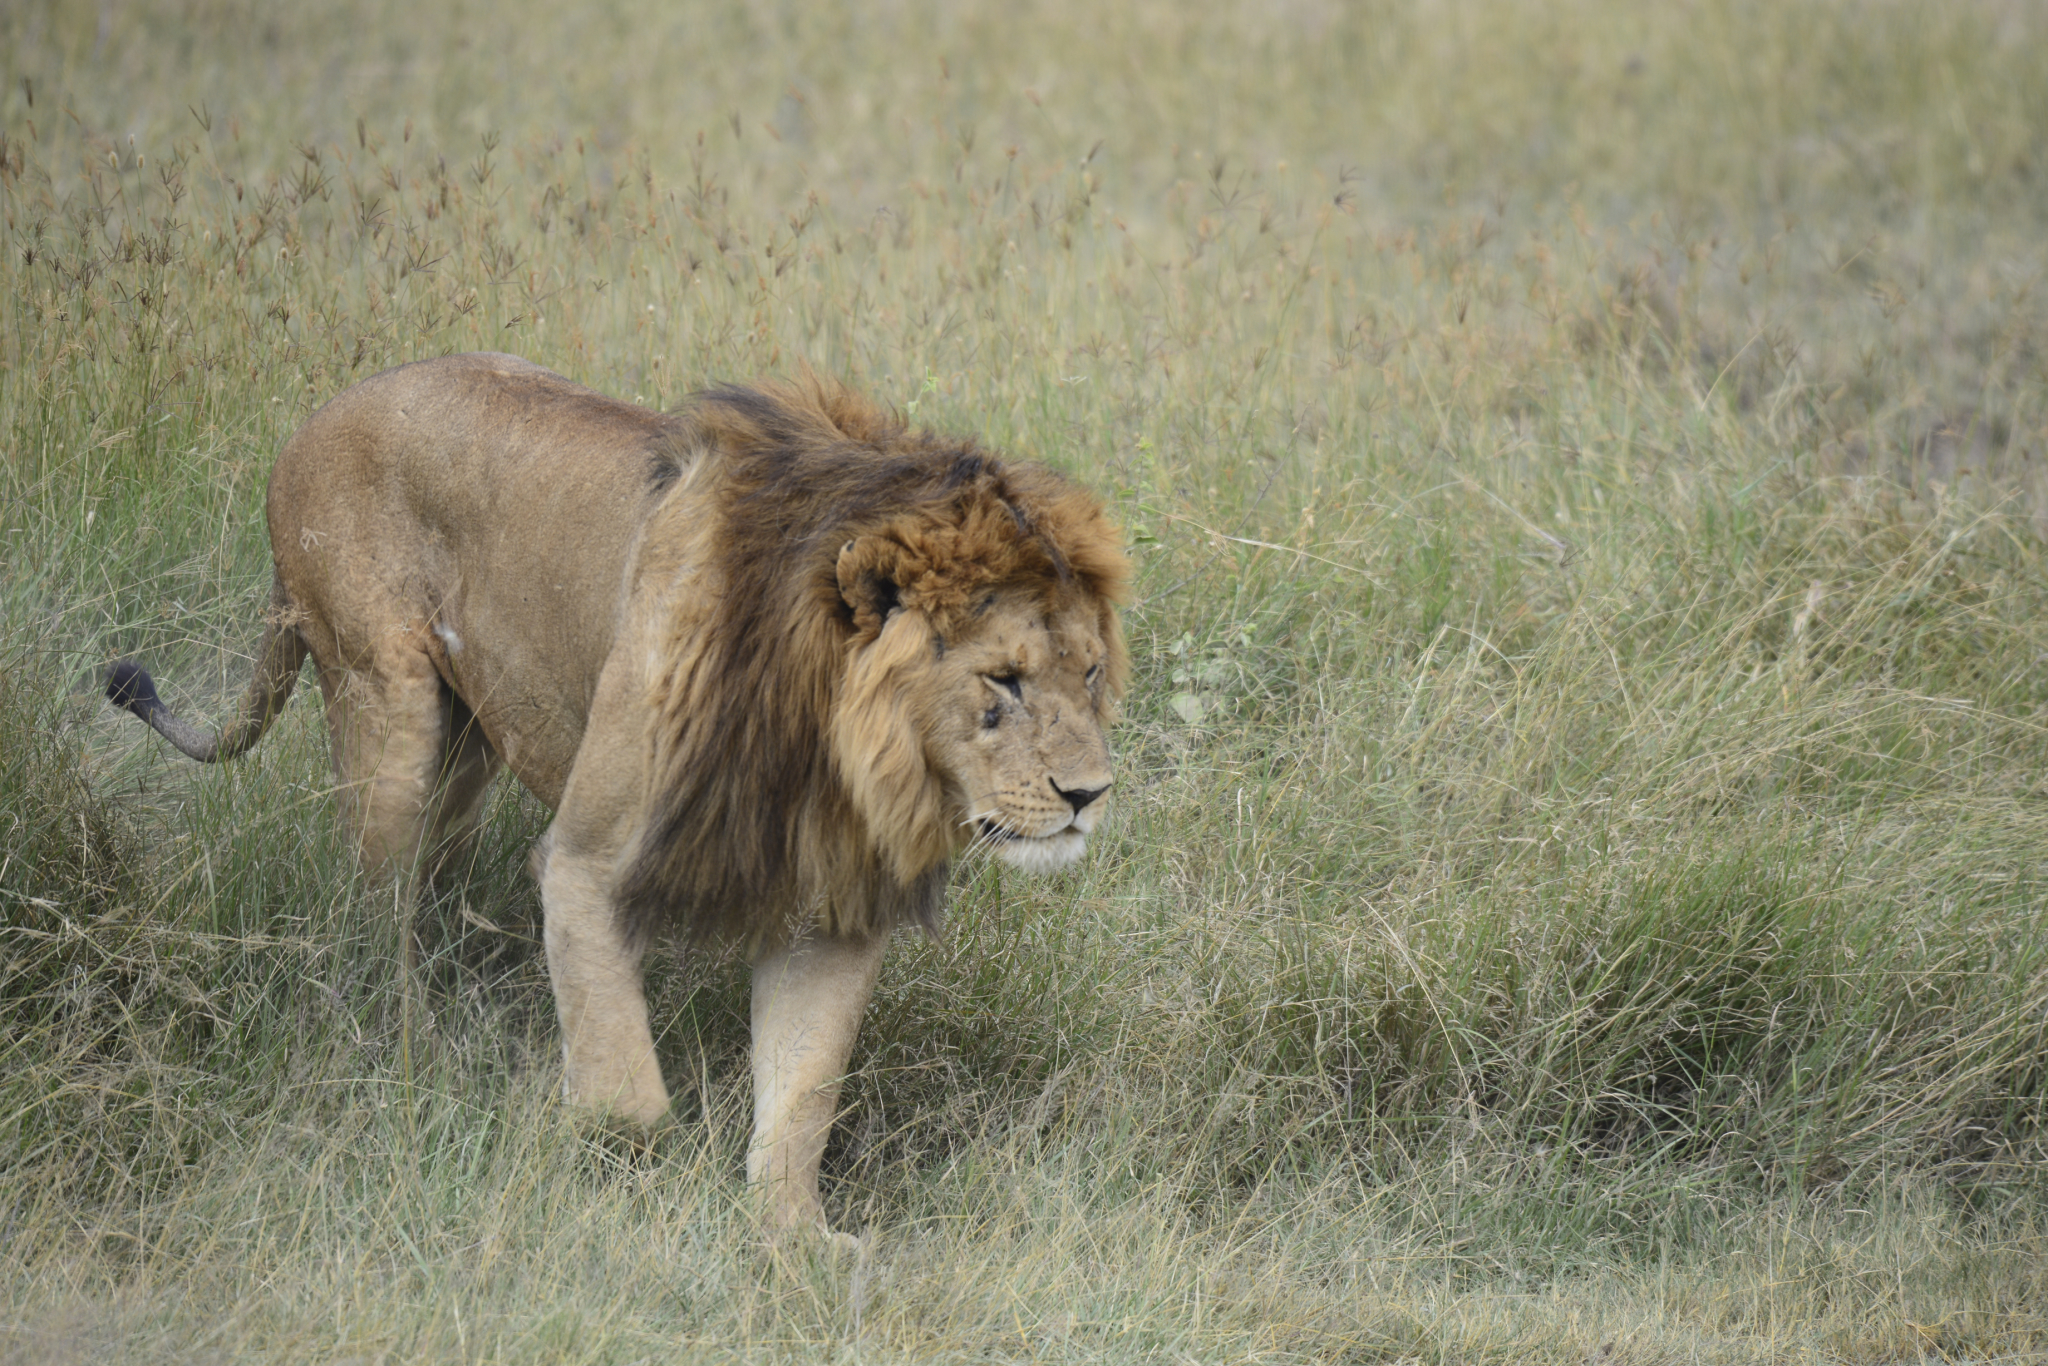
(808,1001)
(607,1048)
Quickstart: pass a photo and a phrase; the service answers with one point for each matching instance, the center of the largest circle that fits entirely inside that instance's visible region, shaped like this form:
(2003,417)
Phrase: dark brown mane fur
(832,514)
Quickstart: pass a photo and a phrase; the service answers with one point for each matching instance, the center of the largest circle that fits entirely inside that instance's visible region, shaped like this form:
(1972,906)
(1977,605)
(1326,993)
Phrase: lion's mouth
(1032,853)
(993,831)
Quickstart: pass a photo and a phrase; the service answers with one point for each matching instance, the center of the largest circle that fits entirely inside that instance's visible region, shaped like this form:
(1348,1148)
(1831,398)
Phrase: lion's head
(1005,717)
(915,650)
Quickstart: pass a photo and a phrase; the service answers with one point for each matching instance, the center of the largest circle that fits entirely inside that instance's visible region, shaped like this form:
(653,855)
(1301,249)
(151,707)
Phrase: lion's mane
(789,771)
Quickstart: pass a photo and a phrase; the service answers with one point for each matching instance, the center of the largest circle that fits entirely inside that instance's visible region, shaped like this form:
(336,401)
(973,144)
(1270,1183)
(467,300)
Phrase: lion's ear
(868,580)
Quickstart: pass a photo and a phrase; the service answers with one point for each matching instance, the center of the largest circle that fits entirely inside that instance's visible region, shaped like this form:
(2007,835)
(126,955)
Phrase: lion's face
(990,736)
(1018,744)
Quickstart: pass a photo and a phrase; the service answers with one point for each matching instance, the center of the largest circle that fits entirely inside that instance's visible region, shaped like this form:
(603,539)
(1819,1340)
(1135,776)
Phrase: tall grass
(1577,887)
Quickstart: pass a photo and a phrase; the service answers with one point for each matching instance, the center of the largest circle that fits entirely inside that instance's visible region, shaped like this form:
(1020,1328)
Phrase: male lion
(772,659)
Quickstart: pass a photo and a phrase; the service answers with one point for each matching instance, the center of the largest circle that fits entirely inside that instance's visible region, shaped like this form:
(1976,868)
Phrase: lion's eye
(1006,683)
(1093,676)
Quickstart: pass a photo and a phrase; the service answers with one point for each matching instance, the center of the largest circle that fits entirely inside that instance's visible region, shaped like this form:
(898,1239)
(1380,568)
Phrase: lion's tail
(277,668)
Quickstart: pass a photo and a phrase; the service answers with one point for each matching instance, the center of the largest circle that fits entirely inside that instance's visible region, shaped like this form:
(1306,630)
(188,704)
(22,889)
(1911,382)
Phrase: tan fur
(773,659)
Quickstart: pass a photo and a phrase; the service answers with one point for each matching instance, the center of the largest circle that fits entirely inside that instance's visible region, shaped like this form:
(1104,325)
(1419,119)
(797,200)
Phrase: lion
(773,660)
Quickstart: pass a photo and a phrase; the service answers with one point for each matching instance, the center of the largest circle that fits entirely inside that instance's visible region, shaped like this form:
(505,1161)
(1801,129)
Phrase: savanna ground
(1580,889)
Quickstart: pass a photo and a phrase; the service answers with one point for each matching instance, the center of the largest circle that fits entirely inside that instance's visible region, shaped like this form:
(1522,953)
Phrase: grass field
(1580,885)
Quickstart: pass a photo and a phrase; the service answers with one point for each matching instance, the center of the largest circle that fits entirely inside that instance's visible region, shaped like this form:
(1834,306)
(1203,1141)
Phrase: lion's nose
(1080,796)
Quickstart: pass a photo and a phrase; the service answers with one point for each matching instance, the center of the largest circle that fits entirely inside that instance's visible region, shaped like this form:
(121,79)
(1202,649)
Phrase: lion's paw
(815,1241)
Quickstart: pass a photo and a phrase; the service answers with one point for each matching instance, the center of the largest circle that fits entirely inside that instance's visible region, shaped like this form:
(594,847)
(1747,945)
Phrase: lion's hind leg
(409,786)
(455,809)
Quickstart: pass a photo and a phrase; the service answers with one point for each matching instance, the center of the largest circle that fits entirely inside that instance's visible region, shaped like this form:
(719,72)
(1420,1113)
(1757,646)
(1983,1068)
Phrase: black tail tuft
(129,686)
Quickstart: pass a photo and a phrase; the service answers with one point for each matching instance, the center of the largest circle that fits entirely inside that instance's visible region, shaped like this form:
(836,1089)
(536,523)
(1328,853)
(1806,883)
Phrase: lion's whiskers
(988,833)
